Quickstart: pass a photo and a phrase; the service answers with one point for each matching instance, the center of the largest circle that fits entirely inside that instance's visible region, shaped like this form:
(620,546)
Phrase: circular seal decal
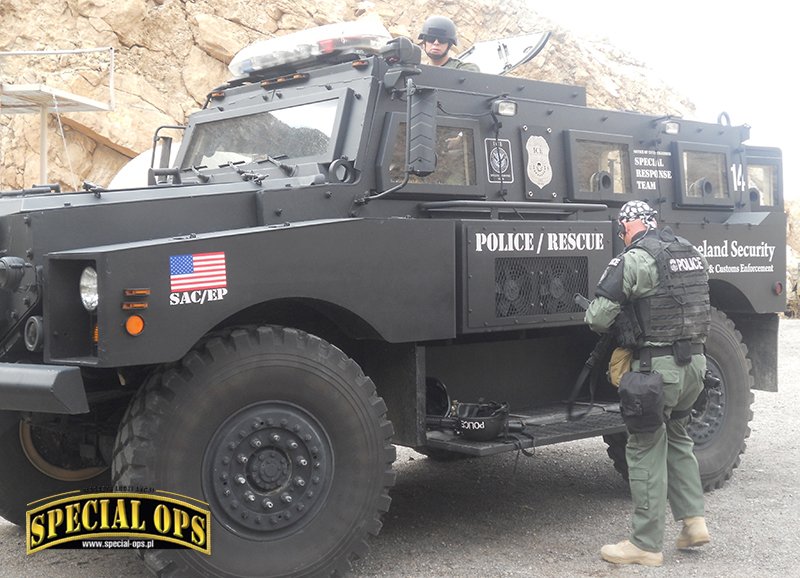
(498,160)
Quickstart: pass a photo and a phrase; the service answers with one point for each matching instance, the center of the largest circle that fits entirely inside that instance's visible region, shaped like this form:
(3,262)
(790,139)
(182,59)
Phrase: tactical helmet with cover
(440,27)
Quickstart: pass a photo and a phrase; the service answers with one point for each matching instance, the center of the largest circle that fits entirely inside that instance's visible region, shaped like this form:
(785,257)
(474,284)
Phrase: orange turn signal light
(134,325)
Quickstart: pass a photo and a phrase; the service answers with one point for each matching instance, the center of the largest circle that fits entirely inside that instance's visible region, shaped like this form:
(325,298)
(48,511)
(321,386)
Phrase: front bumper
(42,388)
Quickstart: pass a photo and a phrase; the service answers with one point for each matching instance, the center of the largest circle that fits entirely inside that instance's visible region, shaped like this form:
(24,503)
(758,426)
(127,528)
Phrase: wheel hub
(268,467)
(270,470)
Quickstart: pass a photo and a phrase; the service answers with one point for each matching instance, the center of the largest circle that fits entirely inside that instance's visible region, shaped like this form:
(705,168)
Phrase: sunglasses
(438,39)
(621,230)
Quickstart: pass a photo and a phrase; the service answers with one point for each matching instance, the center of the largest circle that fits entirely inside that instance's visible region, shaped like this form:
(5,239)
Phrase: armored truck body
(350,247)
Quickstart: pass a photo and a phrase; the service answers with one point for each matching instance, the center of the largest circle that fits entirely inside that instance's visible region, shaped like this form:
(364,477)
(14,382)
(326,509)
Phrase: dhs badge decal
(540,172)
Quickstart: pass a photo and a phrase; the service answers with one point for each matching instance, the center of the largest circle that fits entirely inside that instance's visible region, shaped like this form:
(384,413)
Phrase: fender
(354,264)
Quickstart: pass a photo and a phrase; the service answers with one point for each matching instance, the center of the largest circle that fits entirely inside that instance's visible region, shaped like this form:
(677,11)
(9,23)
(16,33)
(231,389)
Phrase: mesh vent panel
(526,286)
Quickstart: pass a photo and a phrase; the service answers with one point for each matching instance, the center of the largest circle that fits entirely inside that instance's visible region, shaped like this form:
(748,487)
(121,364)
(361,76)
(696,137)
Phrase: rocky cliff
(170,53)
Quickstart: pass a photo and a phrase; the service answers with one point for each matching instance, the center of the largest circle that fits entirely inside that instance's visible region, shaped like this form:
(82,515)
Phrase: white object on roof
(504,55)
(367,34)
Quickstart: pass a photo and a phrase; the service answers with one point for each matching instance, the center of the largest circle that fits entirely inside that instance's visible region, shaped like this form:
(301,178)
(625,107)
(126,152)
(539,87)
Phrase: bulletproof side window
(599,166)
(455,157)
(704,175)
(764,178)
(762,182)
(456,170)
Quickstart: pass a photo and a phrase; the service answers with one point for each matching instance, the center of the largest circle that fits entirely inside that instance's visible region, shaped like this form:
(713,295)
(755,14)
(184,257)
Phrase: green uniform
(456,63)
(661,465)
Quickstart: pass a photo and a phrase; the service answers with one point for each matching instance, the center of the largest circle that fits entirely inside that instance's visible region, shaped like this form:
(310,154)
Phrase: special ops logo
(119,520)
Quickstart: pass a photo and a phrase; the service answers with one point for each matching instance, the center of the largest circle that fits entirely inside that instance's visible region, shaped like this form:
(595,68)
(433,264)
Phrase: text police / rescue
(518,242)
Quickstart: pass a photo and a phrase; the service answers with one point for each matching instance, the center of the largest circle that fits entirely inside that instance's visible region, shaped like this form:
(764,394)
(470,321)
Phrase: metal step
(540,427)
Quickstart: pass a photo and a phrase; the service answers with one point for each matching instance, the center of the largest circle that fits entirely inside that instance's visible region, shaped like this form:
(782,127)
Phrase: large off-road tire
(285,439)
(37,463)
(719,431)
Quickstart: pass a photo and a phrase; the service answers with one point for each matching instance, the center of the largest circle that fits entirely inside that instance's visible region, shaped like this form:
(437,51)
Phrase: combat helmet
(439,27)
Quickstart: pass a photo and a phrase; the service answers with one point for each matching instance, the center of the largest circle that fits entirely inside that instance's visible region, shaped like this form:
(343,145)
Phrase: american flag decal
(197,271)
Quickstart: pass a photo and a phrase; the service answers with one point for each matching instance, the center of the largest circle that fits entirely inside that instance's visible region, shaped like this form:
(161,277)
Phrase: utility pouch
(619,365)
(642,401)
(682,352)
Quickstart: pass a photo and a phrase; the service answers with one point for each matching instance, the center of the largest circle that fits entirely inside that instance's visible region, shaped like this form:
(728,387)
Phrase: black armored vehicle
(351,251)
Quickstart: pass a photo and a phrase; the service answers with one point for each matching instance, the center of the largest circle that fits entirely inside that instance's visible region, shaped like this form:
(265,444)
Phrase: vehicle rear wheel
(720,429)
(285,439)
(40,460)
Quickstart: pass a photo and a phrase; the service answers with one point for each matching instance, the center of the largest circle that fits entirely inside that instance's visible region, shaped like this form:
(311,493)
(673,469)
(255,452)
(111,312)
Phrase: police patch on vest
(540,172)
(679,264)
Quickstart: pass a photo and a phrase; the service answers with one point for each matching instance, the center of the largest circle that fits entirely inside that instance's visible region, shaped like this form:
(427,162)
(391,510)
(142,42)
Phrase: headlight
(88,288)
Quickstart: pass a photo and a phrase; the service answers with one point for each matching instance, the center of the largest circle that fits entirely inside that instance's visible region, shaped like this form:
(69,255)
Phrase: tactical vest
(680,307)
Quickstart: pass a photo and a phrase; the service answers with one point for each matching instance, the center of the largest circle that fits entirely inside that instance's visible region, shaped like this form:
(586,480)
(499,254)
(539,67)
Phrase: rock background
(170,53)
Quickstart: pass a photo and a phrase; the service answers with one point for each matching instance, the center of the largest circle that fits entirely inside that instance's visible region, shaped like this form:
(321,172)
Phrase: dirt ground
(547,516)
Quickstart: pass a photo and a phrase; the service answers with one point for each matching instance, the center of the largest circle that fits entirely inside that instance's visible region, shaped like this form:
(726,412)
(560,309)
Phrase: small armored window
(455,157)
(602,167)
(762,182)
(705,175)
(599,166)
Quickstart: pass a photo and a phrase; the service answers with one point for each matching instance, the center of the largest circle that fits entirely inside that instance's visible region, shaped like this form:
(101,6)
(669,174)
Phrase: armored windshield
(302,131)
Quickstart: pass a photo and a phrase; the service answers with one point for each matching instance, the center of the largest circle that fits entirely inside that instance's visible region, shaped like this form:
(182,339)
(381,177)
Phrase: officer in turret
(654,298)
(438,36)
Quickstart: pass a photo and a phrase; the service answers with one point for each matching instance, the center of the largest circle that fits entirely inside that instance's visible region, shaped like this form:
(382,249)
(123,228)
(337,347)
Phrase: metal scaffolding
(43,99)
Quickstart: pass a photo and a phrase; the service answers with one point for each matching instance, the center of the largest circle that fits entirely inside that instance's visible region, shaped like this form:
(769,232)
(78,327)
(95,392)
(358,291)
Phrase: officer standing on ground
(655,297)
(438,36)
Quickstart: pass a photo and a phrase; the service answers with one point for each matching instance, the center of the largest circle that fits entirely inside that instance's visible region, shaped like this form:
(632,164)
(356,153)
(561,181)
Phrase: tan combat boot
(627,553)
(694,533)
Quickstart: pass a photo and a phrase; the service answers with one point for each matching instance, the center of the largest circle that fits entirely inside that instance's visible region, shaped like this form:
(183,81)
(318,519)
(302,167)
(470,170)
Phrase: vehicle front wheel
(285,439)
(42,457)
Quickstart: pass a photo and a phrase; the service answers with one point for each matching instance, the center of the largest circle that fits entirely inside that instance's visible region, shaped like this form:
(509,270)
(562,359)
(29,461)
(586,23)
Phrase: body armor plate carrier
(680,308)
